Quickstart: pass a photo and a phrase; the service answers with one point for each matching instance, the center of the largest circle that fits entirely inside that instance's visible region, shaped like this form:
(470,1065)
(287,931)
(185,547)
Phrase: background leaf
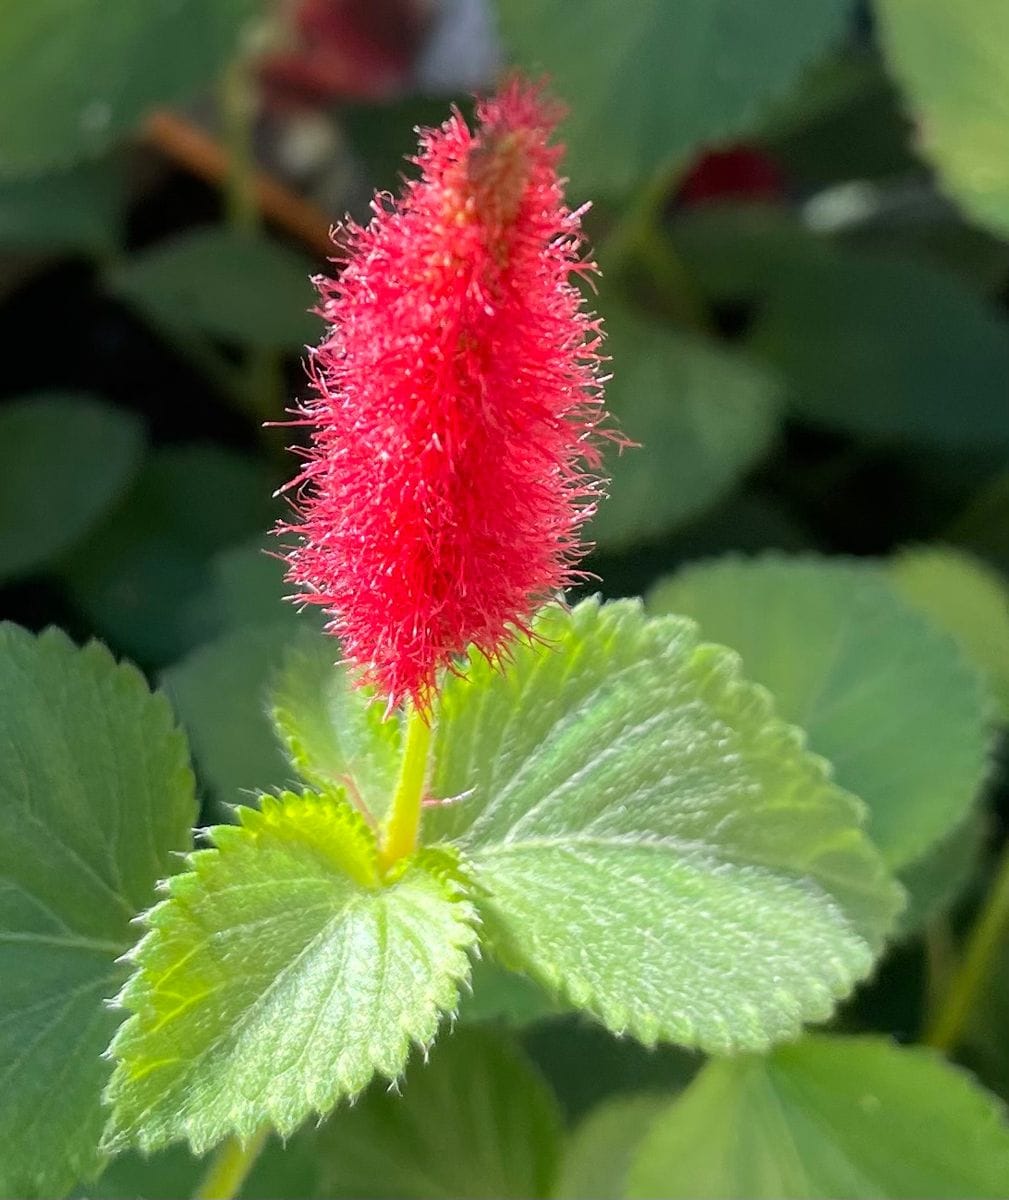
(702,416)
(477,1121)
(586,1065)
(281,975)
(725,894)
(283,1171)
(239,287)
(649,82)
(77,209)
(937,880)
(967,598)
(877,346)
(146,578)
(247,586)
(97,798)
(883,695)
(828,1116)
(842,122)
(64,459)
(221,692)
(79,74)
(952,60)
(599,1152)
(503,996)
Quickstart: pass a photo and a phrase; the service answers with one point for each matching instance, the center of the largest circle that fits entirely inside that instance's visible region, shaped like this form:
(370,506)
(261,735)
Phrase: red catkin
(455,402)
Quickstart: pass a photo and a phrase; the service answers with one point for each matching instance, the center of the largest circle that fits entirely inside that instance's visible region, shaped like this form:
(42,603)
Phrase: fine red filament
(454,406)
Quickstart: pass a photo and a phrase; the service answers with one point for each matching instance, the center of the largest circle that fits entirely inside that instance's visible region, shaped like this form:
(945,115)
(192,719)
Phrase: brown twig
(200,153)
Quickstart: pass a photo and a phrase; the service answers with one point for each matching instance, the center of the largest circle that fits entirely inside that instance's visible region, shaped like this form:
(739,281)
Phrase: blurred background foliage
(801,212)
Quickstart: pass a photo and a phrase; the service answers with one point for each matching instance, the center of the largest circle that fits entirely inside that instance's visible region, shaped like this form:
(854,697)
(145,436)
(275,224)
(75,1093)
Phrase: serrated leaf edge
(725,677)
(443,863)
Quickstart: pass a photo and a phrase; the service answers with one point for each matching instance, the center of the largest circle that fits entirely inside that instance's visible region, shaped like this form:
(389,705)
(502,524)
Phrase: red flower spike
(456,398)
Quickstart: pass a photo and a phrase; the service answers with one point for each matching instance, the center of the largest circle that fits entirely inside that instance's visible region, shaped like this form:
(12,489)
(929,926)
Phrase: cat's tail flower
(456,400)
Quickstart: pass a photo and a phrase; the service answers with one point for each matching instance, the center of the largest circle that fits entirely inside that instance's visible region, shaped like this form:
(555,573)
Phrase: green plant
(580,896)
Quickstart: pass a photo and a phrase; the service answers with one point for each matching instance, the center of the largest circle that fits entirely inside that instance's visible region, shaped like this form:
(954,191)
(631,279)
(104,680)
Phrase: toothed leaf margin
(281,974)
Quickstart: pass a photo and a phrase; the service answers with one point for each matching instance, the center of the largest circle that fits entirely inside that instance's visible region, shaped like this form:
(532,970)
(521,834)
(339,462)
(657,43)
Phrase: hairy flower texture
(455,402)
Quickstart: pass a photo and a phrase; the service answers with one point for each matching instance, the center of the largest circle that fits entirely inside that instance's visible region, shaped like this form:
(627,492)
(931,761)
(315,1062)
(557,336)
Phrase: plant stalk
(403,826)
(638,238)
(238,116)
(230,1167)
(949,1023)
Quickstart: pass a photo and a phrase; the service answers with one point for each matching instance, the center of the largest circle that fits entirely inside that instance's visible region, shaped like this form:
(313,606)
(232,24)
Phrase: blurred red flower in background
(346,49)
(738,172)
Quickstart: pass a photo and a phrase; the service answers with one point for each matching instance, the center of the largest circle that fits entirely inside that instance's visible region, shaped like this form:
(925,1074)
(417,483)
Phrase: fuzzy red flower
(455,399)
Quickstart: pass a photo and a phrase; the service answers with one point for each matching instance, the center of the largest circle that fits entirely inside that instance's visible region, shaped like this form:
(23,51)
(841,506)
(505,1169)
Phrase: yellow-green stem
(638,237)
(940,963)
(403,825)
(230,1167)
(238,114)
(950,1021)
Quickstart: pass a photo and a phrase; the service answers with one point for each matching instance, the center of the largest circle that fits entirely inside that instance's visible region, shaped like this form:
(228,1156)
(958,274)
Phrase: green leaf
(335,733)
(281,975)
(650,82)
(247,586)
(78,74)
(654,844)
(936,881)
(64,459)
(739,252)
(235,286)
(877,347)
(885,696)
(586,1065)
(477,1121)
(983,527)
(962,595)
(68,210)
(221,692)
(952,60)
(829,1116)
(502,995)
(702,416)
(165,1176)
(97,797)
(145,577)
(282,1171)
(599,1152)
(842,123)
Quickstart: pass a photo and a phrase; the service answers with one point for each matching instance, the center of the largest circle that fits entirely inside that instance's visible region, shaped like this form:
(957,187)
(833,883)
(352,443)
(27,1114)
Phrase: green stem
(982,513)
(230,1167)
(637,239)
(949,1023)
(675,284)
(640,215)
(262,384)
(238,113)
(403,826)
(940,963)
